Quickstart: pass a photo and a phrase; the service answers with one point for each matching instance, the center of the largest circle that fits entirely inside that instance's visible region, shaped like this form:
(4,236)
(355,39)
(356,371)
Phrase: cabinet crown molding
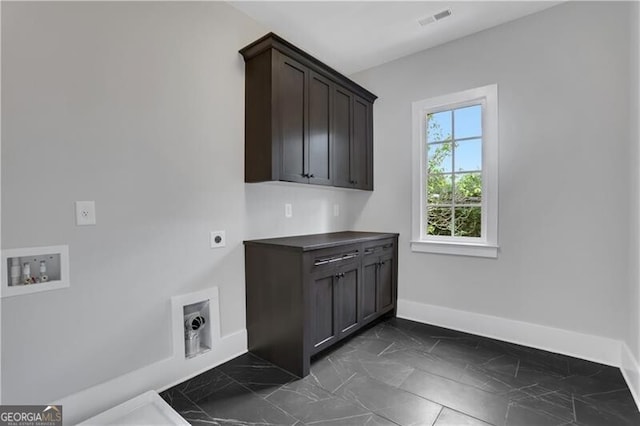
(274,41)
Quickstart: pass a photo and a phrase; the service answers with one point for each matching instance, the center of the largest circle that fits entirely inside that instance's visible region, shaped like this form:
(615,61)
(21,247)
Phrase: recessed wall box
(196,323)
(34,269)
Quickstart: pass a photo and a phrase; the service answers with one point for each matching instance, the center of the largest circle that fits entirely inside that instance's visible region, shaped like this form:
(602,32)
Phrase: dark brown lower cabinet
(334,305)
(379,278)
(306,293)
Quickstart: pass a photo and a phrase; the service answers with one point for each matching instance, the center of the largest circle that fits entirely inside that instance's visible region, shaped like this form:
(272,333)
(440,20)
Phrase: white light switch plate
(85,213)
(288,210)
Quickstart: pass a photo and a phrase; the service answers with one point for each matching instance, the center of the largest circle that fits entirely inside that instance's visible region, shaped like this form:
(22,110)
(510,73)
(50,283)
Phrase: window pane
(468,188)
(439,189)
(439,158)
(468,122)
(439,221)
(439,126)
(469,155)
(468,222)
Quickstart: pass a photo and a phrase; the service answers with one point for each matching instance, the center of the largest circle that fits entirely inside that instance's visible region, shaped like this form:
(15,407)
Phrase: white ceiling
(353,36)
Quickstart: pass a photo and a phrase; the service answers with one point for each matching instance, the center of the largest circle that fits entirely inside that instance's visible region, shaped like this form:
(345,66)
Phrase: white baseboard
(158,376)
(579,345)
(631,372)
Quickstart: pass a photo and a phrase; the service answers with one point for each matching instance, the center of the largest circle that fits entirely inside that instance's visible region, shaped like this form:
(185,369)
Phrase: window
(455,185)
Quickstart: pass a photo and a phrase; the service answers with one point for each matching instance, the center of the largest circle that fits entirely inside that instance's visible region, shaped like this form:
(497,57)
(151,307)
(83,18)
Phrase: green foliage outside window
(453,199)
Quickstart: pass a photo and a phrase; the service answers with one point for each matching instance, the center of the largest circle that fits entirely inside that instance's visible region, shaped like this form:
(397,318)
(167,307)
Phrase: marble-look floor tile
(518,415)
(238,405)
(394,404)
(591,415)
(487,380)
(467,399)
(620,401)
(186,408)
(256,374)
(504,364)
(461,351)
(364,420)
(310,404)
(176,399)
(580,385)
(365,363)
(372,345)
(415,412)
(554,404)
(449,417)
(400,372)
(205,384)
(400,337)
(330,373)
(199,417)
(427,362)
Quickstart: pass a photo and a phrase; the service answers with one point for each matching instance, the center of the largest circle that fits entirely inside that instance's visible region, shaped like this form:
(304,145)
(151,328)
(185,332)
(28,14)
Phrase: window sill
(455,248)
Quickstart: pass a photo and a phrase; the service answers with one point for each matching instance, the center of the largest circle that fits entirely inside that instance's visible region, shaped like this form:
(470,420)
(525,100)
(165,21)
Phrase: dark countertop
(321,241)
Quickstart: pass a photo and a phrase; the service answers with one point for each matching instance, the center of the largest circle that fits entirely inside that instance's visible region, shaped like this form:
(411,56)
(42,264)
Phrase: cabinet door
(342,113)
(347,287)
(319,153)
(324,330)
(385,283)
(291,110)
(369,288)
(362,144)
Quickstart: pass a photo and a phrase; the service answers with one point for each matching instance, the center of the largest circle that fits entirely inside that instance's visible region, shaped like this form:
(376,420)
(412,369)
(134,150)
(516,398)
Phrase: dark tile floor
(406,373)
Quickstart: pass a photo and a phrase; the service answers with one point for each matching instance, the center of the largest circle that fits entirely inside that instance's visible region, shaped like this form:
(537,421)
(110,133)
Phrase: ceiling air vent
(433,18)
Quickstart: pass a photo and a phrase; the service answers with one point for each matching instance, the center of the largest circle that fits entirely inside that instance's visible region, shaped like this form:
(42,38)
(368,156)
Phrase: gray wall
(633,338)
(563,82)
(140,107)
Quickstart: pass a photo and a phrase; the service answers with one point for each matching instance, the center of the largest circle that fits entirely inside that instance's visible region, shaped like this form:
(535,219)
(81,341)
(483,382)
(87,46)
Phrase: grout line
(386,418)
(341,418)
(438,416)
(463,413)
(195,404)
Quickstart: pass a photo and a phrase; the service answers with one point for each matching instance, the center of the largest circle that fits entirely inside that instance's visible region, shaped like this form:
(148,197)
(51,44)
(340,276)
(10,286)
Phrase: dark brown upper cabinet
(304,121)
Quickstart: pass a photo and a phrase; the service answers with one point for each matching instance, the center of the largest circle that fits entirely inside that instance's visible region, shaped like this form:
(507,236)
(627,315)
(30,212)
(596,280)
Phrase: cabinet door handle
(310,176)
(349,255)
(386,246)
(335,259)
(369,251)
(340,275)
(304,175)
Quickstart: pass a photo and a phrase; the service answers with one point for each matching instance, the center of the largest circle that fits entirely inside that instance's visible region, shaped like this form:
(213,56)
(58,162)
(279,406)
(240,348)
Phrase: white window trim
(487,246)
